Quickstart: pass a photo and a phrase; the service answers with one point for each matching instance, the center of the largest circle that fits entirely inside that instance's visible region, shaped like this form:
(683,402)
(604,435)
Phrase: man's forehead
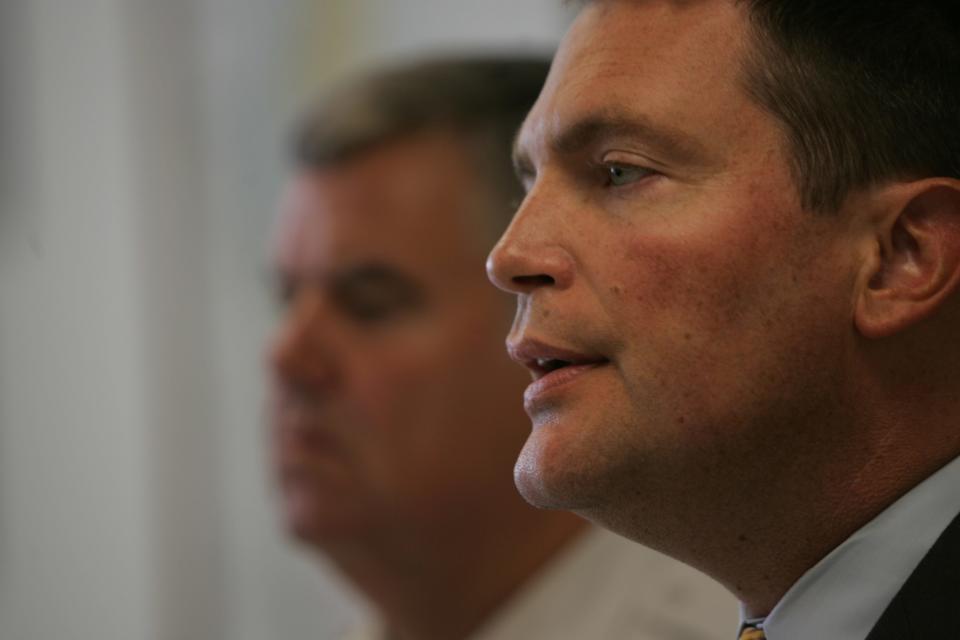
(632,61)
(377,192)
(339,216)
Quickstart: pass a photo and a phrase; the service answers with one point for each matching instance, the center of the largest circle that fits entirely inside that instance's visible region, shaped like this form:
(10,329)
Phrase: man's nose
(301,350)
(531,254)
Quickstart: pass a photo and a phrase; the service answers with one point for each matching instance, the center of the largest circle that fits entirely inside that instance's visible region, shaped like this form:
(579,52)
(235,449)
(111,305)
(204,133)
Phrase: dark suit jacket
(928,605)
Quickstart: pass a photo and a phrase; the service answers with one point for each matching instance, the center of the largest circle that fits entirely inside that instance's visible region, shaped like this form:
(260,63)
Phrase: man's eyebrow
(522,166)
(590,130)
(375,278)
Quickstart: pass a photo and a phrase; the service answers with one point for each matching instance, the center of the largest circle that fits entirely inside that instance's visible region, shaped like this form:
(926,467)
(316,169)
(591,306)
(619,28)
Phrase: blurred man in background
(395,420)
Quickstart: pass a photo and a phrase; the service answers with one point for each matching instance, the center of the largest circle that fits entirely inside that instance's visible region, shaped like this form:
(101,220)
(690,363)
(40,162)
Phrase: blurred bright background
(141,151)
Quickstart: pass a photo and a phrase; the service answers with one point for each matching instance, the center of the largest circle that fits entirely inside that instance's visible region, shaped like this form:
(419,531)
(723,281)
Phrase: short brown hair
(483,99)
(866,90)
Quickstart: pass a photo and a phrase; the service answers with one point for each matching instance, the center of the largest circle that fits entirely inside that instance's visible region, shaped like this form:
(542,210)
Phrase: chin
(545,481)
(578,463)
(529,484)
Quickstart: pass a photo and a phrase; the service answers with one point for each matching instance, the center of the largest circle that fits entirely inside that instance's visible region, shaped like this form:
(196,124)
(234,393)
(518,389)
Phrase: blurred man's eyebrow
(369,273)
(365,276)
(590,130)
(377,278)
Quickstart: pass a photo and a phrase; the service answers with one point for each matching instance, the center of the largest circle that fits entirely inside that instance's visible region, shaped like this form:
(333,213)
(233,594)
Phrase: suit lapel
(928,605)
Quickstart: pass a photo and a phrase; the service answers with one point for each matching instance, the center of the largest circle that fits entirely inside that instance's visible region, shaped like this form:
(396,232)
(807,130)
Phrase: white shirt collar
(843,596)
(605,586)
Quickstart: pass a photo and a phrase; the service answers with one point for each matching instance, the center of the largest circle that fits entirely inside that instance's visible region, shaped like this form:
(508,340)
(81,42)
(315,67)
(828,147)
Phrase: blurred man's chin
(299,516)
(307,520)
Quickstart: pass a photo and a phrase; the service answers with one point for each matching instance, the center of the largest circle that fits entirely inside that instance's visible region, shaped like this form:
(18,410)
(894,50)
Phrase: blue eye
(619,175)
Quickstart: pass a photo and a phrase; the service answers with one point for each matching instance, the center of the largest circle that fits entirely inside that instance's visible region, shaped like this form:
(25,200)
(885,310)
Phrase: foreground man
(396,413)
(737,267)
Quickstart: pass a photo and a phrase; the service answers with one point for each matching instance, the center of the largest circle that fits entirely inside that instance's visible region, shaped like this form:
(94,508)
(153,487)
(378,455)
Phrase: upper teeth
(551,363)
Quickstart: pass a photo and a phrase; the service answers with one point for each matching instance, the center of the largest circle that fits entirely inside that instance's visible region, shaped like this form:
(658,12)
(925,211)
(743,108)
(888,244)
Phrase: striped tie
(752,633)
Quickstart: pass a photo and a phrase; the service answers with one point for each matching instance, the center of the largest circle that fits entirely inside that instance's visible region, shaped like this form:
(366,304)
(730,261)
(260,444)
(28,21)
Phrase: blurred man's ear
(917,265)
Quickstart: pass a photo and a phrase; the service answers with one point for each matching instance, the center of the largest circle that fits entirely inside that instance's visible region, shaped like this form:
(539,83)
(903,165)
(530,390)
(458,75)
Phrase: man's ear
(916,265)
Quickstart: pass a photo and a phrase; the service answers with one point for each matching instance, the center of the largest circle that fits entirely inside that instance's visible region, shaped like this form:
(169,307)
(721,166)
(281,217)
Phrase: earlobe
(915,266)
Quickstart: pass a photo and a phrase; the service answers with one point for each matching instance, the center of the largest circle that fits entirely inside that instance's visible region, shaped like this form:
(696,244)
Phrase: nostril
(540,280)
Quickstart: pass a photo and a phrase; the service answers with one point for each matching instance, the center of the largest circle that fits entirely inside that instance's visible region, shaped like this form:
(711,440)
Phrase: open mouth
(554,368)
(547,365)
(542,360)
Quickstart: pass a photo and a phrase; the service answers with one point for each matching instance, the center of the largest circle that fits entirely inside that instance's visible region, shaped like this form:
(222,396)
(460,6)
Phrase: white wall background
(148,137)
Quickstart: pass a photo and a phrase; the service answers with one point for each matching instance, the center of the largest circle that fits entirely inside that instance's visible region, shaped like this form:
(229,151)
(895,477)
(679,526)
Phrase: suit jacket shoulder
(927,607)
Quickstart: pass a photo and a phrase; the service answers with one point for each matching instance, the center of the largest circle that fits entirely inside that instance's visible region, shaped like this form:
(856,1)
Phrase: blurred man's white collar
(605,586)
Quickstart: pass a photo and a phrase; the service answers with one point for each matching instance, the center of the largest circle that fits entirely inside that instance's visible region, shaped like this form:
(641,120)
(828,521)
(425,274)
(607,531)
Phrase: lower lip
(549,385)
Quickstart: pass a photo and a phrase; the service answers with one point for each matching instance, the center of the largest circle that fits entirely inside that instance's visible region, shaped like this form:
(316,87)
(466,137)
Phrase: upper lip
(542,358)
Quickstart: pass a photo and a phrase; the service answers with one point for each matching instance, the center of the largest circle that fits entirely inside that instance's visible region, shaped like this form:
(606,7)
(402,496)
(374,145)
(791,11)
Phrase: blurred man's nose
(531,255)
(301,350)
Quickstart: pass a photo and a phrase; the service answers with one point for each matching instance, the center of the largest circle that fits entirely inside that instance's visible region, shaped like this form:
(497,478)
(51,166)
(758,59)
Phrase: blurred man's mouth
(300,426)
(299,436)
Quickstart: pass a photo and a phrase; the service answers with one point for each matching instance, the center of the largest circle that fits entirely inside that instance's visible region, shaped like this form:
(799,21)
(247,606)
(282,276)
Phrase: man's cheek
(663,276)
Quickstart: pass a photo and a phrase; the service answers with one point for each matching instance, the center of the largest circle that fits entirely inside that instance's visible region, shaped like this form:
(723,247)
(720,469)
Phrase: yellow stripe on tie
(751,633)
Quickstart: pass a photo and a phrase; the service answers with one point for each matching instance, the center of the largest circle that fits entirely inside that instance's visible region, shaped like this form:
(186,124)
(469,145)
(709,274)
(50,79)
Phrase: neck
(446,583)
(790,547)
(757,531)
(908,435)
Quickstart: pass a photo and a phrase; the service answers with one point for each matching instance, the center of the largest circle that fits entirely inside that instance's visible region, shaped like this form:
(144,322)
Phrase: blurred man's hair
(482,100)
(867,90)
